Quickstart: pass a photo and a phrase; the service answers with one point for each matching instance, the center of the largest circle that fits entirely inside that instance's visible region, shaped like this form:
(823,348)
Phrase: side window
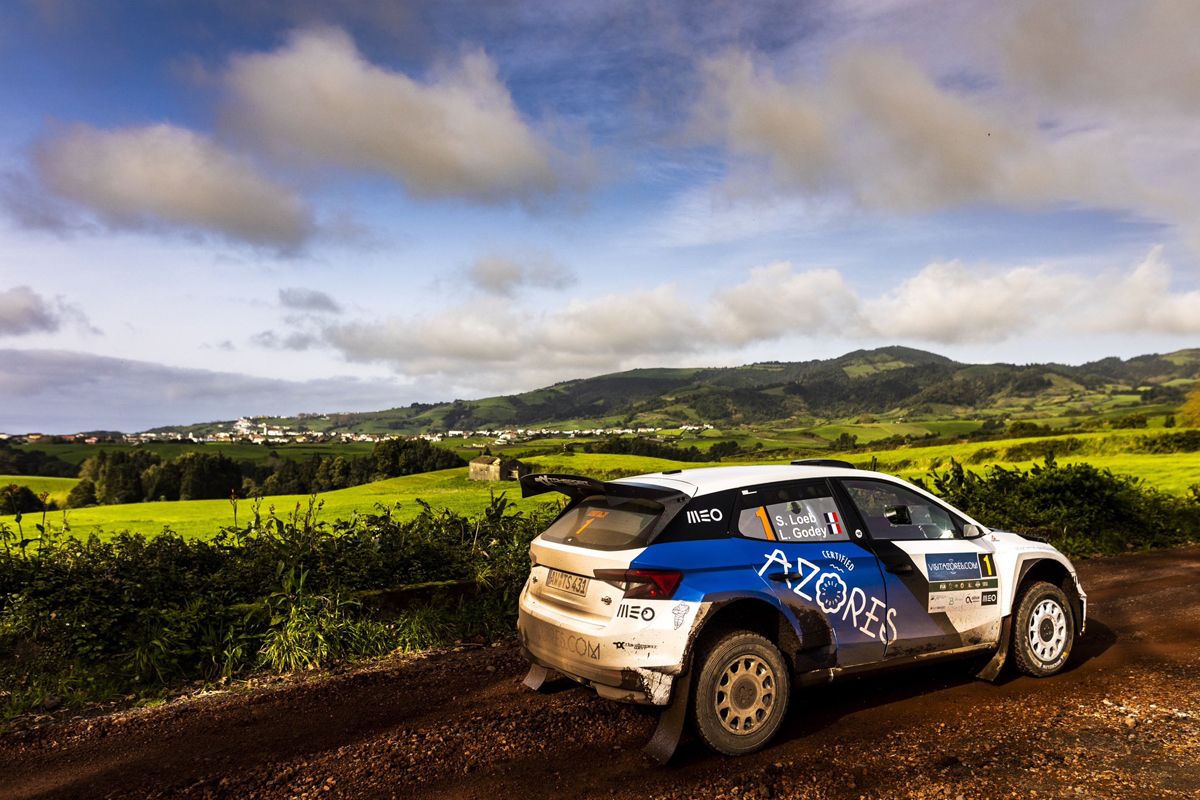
(791,512)
(892,512)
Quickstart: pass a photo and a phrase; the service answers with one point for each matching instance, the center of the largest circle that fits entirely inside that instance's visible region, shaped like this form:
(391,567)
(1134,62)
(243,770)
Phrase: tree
(395,457)
(1189,415)
(82,494)
(16,499)
(207,476)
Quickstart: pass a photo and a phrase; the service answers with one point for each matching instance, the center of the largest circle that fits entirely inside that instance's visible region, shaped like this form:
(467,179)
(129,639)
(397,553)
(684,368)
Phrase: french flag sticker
(832,523)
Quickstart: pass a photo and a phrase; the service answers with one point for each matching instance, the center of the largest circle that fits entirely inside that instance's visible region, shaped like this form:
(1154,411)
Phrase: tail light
(642,584)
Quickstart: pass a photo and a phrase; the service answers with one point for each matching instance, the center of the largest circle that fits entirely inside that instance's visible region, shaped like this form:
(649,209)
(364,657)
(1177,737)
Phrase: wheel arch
(1052,571)
(803,635)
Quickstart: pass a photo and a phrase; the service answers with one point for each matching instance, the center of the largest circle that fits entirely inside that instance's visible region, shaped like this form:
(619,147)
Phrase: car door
(818,567)
(944,589)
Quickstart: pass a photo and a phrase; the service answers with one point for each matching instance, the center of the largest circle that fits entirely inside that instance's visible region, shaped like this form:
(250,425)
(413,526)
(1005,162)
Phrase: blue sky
(225,208)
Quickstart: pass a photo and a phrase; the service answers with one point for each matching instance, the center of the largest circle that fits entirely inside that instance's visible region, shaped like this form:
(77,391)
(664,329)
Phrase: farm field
(443,489)
(58,488)
(1173,472)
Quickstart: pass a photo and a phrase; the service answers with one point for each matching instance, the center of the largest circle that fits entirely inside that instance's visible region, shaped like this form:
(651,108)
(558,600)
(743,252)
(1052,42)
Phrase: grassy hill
(57,488)
(443,489)
(900,383)
(1174,472)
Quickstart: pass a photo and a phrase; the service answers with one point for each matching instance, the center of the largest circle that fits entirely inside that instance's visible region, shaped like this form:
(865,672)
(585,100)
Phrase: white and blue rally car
(714,591)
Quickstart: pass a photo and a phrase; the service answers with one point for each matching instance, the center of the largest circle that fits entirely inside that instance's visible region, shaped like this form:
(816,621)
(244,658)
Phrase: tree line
(133,476)
(34,462)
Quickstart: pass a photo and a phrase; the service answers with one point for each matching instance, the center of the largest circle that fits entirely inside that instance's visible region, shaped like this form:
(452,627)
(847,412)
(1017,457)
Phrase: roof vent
(671,471)
(822,462)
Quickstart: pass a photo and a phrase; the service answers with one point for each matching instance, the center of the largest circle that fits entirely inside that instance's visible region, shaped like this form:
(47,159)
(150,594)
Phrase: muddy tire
(1043,630)
(741,693)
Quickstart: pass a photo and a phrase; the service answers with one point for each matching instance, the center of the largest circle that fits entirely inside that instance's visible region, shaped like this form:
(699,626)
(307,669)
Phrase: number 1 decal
(986,567)
(766,523)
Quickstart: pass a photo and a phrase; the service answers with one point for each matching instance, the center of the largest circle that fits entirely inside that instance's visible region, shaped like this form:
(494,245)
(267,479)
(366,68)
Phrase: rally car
(715,591)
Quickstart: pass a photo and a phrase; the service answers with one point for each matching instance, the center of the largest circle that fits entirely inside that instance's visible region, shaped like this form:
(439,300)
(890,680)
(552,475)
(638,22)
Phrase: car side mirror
(972,531)
(898,515)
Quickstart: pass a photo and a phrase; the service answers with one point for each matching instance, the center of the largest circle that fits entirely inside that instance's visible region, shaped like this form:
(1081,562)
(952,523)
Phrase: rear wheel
(1043,630)
(741,693)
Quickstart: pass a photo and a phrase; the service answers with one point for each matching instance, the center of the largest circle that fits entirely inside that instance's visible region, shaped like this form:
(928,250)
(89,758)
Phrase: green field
(58,488)
(450,488)
(444,489)
(1169,472)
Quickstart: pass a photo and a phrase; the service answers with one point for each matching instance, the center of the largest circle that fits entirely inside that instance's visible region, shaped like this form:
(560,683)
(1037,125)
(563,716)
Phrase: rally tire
(741,693)
(1043,633)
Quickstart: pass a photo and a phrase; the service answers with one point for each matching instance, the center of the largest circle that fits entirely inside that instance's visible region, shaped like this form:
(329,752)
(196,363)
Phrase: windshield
(605,522)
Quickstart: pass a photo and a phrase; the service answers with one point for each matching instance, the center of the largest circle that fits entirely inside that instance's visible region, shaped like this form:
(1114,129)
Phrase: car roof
(705,480)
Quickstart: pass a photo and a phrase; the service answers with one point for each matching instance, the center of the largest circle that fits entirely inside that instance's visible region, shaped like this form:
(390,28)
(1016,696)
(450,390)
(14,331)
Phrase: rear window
(604,522)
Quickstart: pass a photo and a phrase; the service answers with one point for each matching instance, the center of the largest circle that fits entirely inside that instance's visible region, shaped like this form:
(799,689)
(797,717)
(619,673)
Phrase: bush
(1080,509)
(1028,451)
(16,499)
(82,494)
(637,446)
(85,619)
(1178,442)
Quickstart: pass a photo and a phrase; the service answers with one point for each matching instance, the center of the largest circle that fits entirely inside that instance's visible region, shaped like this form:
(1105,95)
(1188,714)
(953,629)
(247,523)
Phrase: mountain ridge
(886,380)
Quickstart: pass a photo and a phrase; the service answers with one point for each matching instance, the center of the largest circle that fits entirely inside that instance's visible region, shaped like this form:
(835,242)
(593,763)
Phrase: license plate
(566,582)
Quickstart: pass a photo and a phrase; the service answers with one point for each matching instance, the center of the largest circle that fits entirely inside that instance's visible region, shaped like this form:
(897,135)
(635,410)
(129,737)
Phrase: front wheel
(741,693)
(1043,630)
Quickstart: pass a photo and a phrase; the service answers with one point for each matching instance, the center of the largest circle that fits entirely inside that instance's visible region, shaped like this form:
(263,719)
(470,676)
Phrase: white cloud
(166,176)
(881,131)
(503,275)
(1136,54)
(951,303)
(458,134)
(24,311)
(777,301)
(498,345)
(1142,301)
(301,299)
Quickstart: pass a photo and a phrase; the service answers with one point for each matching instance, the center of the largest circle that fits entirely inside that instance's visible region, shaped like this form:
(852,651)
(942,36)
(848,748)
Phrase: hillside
(893,381)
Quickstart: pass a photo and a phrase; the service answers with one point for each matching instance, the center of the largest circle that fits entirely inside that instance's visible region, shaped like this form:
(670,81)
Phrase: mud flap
(991,670)
(669,730)
(536,677)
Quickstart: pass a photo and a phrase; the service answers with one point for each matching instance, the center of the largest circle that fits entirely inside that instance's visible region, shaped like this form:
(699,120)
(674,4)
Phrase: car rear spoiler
(577,487)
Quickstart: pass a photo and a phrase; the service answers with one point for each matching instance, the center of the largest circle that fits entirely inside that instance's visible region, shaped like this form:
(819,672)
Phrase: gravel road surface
(1122,721)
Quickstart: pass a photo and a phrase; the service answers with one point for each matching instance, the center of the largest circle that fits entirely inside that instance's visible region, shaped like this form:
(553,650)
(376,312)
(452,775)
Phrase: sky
(248,207)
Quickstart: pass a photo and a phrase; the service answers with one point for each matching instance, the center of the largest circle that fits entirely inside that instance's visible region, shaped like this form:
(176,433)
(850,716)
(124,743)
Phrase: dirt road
(1123,721)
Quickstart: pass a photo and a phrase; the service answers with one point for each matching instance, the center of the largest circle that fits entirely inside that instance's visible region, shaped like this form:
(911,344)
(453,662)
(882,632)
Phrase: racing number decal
(592,517)
(766,523)
(986,567)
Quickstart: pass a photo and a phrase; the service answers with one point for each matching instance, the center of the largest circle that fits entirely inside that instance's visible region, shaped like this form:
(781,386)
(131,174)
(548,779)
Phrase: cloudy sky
(248,207)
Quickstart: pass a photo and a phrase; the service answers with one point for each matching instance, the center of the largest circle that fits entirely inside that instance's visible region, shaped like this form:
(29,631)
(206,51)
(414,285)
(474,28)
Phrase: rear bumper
(583,658)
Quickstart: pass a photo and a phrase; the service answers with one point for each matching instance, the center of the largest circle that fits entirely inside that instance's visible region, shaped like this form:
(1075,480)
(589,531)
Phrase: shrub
(1028,451)
(1079,508)
(82,494)
(88,618)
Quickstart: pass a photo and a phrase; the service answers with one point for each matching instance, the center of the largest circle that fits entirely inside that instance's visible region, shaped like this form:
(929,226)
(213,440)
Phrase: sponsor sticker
(629,611)
(705,515)
(952,566)
(679,612)
(961,580)
(576,644)
(842,602)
